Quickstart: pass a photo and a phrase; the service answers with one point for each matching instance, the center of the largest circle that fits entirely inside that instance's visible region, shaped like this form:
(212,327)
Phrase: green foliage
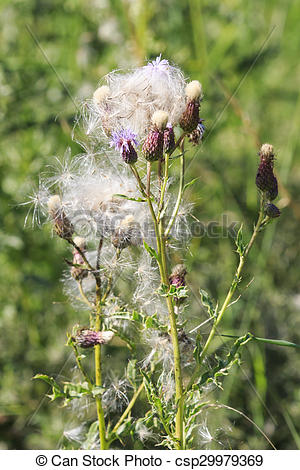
(216,43)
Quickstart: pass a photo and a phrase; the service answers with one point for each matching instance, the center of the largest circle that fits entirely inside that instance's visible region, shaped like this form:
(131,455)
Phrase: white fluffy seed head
(266,150)
(54,203)
(193,90)
(128,221)
(160,119)
(101,94)
(80,242)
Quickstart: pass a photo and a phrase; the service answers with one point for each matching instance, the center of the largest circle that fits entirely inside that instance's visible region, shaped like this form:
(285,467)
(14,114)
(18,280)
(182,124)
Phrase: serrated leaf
(56,390)
(241,246)
(151,251)
(207,302)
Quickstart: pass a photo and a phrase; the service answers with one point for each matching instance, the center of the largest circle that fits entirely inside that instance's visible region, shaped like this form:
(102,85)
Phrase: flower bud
(77,272)
(126,234)
(169,138)
(190,118)
(177,277)
(86,338)
(272,211)
(196,136)
(266,181)
(123,141)
(153,147)
(62,226)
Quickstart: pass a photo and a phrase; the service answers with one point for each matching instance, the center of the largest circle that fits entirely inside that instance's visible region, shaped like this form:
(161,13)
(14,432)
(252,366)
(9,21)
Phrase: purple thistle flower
(158,65)
(123,141)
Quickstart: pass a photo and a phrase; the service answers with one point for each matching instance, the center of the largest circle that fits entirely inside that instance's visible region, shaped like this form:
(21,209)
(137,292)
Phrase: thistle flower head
(266,181)
(123,141)
(86,338)
(54,205)
(134,96)
(158,65)
(128,233)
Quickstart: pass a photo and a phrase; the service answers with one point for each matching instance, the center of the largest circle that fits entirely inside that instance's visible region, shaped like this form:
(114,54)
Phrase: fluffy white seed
(193,90)
(266,150)
(160,119)
(54,203)
(101,94)
(80,242)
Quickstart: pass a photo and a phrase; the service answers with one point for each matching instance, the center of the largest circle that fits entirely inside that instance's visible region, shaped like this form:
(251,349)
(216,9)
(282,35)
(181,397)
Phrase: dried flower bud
(266,181)
(169,138)
(86,338)
(62,225)
(190,118)
(123,141)
(177,277)
(196,136)
(101,94)
(272,211)
(126,234)
(77,272)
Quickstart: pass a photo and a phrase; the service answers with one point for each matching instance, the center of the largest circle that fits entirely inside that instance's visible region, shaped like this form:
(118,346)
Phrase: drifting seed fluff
(134,96)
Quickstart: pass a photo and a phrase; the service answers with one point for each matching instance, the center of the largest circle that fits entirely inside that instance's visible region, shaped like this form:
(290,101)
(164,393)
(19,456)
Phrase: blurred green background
(249,49)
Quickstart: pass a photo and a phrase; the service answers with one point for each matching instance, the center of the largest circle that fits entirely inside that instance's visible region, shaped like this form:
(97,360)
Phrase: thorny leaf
(224,365)
(207,302)
(56,390)
(151,251)
(198,349)
(241,246)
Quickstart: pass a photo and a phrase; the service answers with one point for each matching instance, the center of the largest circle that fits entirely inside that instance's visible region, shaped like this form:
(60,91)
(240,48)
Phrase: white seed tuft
(266,150)
(193,90)
(101,94)
(54,203)
(160,119)
(80,242)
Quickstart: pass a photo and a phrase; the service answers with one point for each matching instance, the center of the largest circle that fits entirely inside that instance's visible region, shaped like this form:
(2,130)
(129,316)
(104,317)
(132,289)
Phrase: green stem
(97,352)
(162,264)
(230,293)
(179,197)
(129,407)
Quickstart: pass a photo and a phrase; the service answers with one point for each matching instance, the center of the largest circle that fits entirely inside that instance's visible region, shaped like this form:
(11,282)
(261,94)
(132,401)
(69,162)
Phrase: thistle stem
(230,293)
(180,193)
(129,407)
(98,372)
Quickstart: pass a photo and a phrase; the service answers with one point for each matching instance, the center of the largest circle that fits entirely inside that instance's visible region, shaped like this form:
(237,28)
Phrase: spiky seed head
(266,181)
(101,94)
(193,90)
(272,211)
(159,119)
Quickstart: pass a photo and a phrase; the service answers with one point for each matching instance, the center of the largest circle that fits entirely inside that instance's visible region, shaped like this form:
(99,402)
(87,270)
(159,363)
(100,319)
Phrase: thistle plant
(122,212)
